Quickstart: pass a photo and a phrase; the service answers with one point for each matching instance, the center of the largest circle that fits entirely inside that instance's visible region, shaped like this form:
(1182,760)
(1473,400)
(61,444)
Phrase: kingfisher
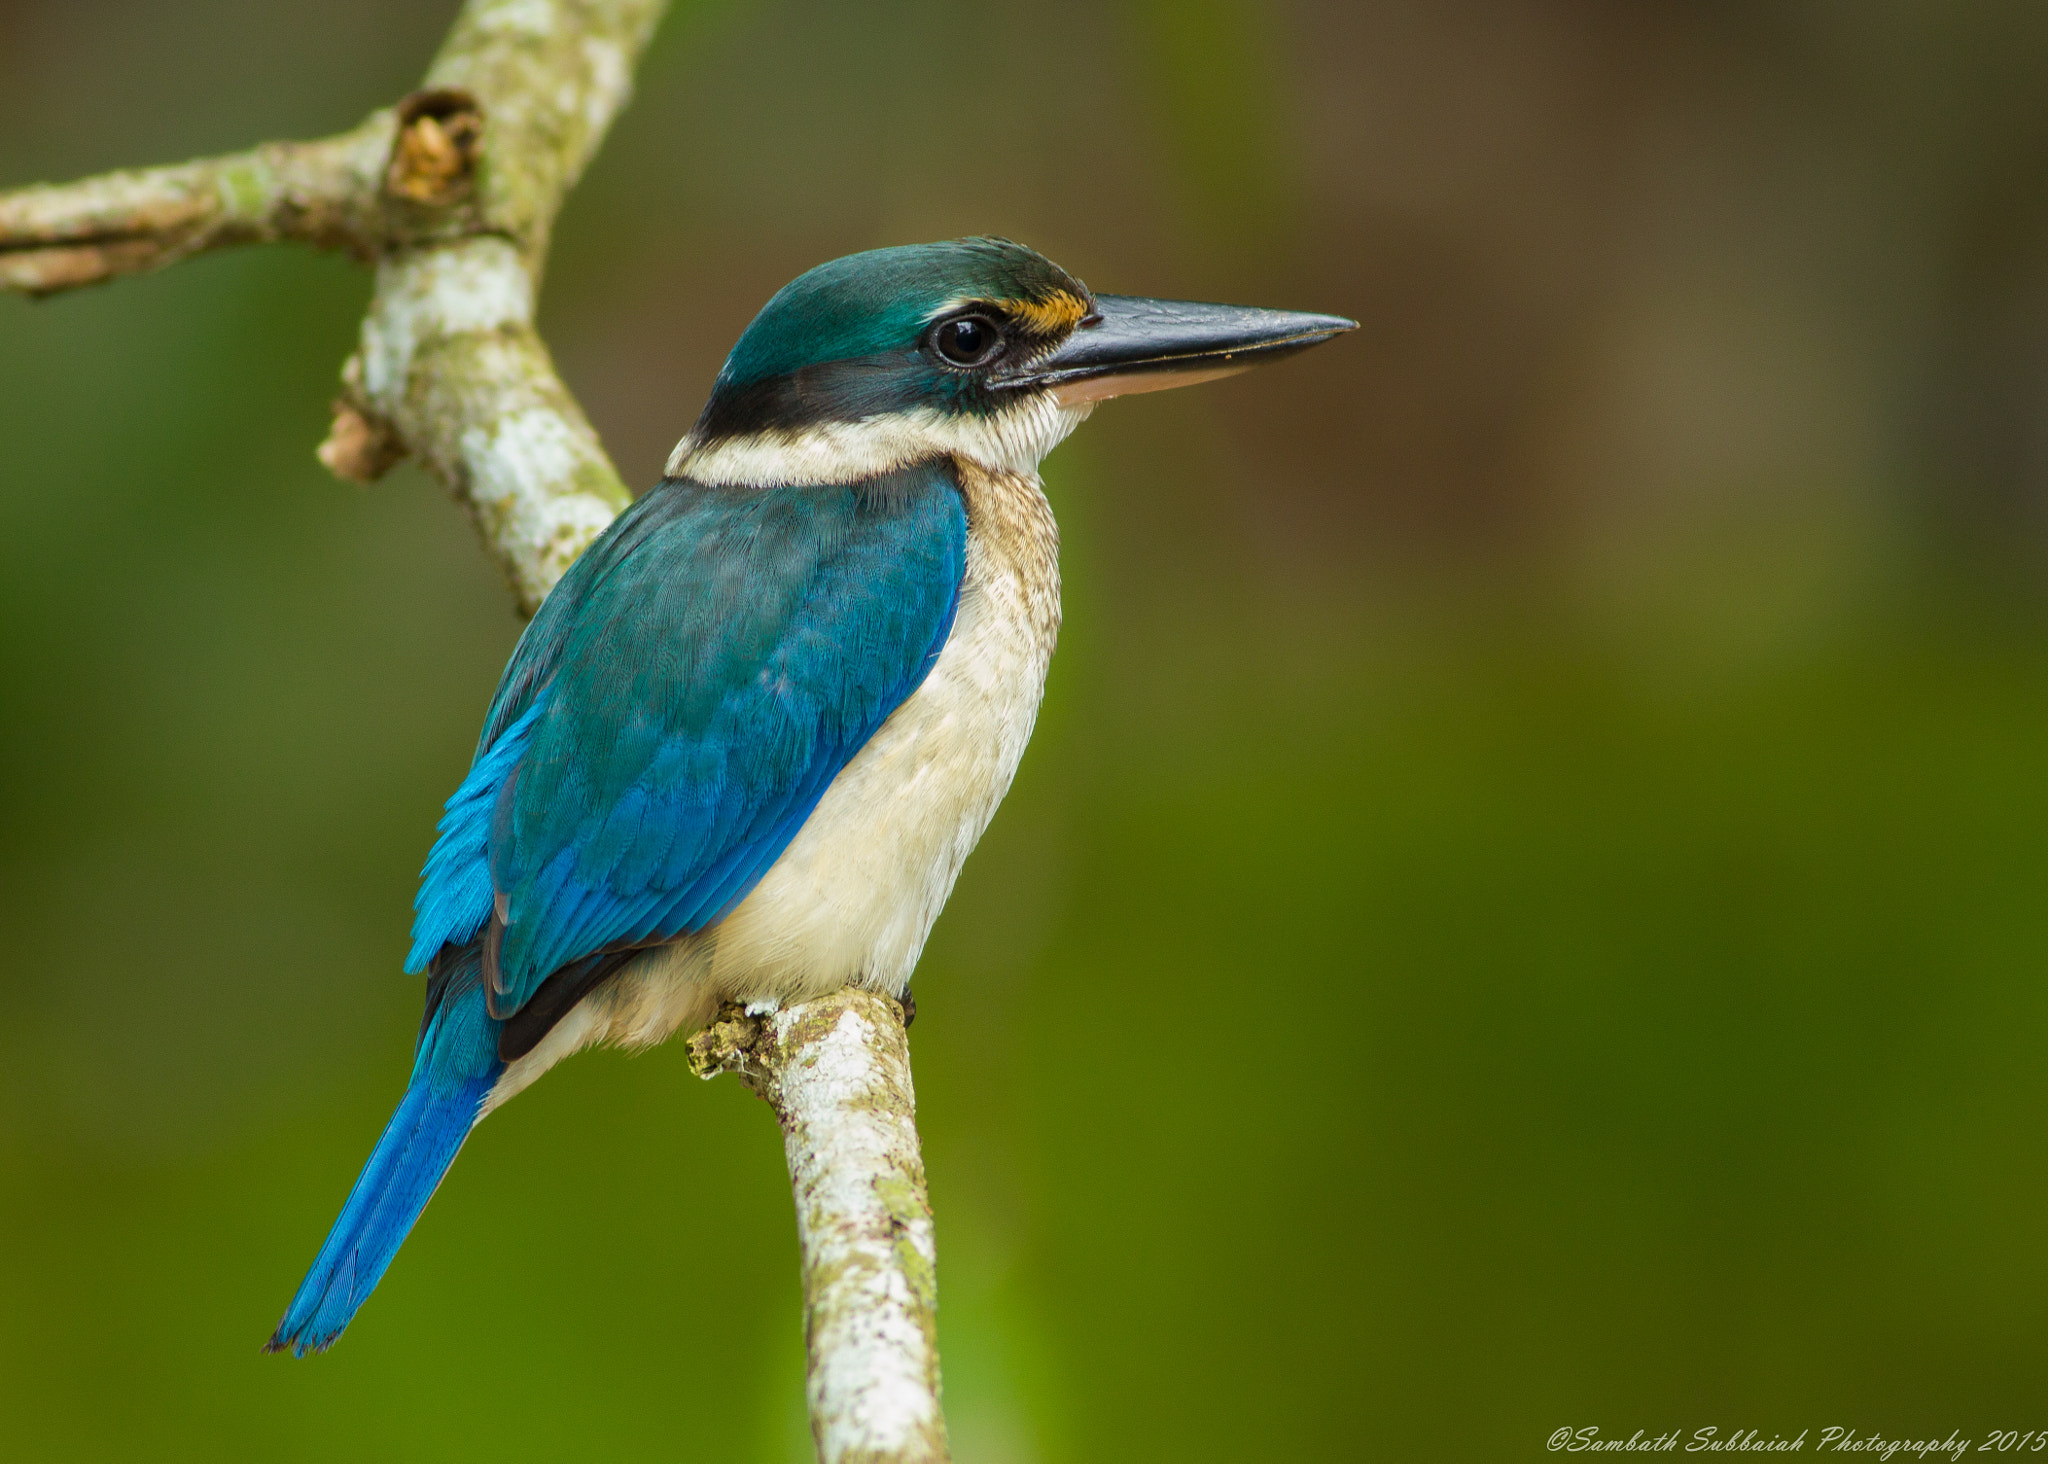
(745,745)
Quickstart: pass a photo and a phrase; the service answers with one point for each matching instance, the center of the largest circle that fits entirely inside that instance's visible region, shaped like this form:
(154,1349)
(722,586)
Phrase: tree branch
(324,193)
(837,1073)
(453,195)
(450,367)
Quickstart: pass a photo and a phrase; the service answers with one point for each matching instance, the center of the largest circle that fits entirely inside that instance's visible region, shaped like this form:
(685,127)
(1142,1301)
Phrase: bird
(745,744)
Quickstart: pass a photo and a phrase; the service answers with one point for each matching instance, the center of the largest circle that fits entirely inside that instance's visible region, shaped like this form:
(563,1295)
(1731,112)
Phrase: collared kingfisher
(745,745)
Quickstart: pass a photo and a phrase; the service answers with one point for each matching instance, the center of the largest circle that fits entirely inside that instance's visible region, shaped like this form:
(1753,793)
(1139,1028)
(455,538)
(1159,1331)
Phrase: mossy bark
(837,1073)
(63,236)
(451,367)
(453,193)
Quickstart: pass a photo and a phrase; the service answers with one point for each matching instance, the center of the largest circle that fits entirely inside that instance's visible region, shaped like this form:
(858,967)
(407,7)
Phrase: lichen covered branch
(837,1073)
(550,76)
(450,368)
(452,194)
(58,237)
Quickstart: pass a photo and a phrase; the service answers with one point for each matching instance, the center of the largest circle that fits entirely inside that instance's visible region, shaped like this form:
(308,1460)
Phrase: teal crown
(863,336)
(880,302)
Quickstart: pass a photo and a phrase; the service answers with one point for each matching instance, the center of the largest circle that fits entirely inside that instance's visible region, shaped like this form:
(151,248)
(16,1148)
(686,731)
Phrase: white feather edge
(1012,440)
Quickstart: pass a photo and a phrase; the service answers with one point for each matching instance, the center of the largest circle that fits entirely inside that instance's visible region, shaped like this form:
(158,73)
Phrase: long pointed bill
(1132,344)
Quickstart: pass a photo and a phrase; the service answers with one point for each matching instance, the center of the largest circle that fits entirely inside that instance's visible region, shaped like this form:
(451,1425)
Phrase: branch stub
(434,155)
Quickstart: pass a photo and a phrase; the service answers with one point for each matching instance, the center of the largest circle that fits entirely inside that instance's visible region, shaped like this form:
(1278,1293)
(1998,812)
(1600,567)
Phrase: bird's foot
(909,1005)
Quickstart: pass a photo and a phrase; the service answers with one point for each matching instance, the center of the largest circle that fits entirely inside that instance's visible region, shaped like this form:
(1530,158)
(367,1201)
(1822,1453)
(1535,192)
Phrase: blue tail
(456,1067)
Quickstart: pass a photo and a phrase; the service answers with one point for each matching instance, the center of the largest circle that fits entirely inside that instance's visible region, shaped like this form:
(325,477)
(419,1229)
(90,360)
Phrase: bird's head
(977,348)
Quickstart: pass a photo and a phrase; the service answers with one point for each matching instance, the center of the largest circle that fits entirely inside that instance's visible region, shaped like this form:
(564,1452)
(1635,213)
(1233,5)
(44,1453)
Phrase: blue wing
(678,707)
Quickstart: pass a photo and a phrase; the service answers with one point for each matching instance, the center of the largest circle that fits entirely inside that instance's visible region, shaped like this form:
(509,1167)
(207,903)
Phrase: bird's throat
(1010,441)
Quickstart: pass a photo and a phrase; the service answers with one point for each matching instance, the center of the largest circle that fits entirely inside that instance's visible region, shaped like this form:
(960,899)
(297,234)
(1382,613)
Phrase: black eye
(968,340)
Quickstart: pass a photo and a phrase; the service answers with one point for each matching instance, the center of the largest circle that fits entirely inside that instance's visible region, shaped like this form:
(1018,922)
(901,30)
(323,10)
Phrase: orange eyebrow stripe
(1048,317)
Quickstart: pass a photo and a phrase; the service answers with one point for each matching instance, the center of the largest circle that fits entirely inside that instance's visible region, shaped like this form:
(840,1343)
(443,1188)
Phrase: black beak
(1132,344)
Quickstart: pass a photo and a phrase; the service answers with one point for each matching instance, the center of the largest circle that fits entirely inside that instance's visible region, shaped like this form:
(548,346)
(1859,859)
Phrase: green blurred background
(1525,908)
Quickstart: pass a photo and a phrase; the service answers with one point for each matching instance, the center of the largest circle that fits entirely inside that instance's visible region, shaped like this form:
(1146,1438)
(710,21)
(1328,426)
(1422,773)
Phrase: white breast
(857,891)
(855,894)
